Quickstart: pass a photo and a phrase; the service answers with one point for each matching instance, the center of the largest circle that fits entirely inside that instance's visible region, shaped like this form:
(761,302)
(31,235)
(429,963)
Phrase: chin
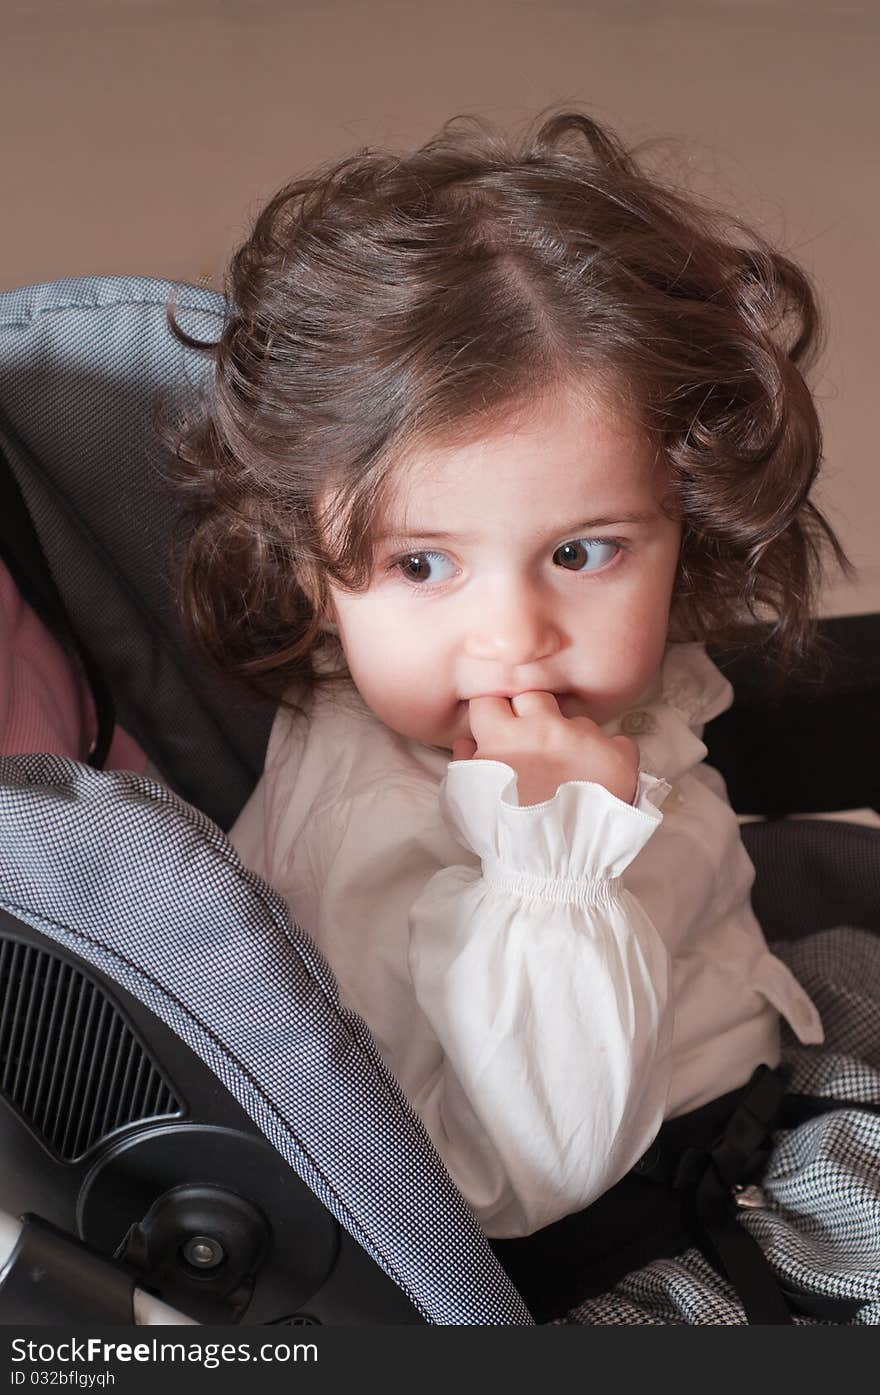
(440,734)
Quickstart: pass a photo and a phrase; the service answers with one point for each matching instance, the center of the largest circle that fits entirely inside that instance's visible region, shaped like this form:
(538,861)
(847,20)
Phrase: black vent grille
(69,1063)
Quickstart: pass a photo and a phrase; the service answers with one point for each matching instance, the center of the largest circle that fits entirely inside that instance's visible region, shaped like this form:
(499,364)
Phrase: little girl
(501,434)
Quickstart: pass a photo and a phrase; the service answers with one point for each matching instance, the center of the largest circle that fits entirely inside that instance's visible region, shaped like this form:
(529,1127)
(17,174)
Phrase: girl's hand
(530,734)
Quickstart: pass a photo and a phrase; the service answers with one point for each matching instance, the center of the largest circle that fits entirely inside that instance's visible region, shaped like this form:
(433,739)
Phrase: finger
(629,747)
(486,714)
(533,703)
(463,748)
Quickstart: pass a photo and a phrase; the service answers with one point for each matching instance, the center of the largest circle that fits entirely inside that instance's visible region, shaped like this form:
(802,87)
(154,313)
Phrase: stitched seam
(586,891)
(28,318)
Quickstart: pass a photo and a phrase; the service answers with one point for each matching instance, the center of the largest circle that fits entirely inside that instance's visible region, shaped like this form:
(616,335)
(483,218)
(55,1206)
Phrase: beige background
(141,136)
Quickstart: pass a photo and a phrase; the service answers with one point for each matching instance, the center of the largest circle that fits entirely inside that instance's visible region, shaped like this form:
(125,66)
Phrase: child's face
(543,578)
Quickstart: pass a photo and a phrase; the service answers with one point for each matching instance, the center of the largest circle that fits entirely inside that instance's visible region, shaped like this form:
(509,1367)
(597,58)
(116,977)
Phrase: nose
(512,622)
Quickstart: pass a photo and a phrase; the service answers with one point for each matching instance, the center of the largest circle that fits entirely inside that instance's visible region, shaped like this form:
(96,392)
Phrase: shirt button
(638,723)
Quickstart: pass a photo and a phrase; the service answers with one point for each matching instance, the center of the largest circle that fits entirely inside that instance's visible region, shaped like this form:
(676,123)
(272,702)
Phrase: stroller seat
(181,1087)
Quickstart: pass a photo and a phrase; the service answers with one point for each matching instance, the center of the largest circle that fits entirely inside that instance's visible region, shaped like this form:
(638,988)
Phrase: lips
(515,692)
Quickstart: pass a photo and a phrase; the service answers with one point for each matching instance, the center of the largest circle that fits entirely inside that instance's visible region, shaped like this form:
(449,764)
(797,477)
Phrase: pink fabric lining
(45,704)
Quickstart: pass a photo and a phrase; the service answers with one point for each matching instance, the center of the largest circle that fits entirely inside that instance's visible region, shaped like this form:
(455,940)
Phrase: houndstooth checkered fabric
(820,1228)
(139,884)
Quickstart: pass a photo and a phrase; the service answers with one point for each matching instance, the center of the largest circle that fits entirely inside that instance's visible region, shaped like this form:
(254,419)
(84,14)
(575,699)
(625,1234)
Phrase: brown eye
(586,554)
(414,567)
(422,567)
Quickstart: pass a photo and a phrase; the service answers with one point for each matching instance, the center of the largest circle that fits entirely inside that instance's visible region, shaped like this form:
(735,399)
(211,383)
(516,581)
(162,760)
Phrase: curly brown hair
(385,301)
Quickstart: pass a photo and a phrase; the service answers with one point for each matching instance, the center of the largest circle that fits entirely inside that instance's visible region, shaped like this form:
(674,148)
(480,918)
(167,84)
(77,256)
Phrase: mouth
(517,692)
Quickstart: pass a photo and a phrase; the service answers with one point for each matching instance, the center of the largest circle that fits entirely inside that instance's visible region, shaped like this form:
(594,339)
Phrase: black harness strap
(689,1190)
(736,1160)
(23,554)
(721,1175)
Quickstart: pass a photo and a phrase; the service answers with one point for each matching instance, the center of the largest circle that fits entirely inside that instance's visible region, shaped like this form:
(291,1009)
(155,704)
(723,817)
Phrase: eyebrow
(576,530)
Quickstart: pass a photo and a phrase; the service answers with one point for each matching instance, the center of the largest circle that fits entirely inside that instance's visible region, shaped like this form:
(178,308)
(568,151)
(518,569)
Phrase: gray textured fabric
(116,869)
(81,364)
(813,875)
(820,1227)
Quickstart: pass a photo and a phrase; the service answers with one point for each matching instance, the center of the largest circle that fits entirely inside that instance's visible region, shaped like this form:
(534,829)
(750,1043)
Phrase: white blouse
(546,983)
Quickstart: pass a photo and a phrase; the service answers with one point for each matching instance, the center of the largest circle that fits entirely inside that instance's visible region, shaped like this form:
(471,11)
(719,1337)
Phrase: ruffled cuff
(583,833)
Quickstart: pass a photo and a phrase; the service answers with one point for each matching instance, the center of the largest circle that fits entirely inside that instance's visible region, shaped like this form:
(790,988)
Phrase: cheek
(376,626)
(390,650)
(629,644)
